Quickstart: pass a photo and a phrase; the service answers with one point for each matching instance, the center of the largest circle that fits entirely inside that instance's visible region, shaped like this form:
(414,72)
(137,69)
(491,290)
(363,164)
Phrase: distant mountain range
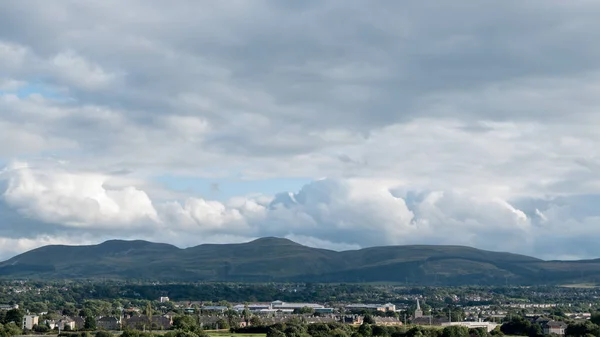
(282,260)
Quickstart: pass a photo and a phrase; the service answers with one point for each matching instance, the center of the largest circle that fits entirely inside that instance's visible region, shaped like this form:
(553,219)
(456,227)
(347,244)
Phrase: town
(59,309)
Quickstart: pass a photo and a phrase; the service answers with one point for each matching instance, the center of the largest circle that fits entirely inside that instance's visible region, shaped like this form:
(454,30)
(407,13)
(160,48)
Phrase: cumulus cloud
(460,124)
(76,200)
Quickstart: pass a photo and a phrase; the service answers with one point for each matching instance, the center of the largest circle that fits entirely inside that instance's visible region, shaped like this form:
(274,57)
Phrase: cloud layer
(445,124)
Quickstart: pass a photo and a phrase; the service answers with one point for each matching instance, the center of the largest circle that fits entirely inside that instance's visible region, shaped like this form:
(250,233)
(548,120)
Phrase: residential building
(163,299)
(489,326)
(284,305)
(554,328)
(8,306)
(387,321)
(79,322)
(373,307)
(64,323)
(108,323)
(142,323)
(29,321)
(218,308)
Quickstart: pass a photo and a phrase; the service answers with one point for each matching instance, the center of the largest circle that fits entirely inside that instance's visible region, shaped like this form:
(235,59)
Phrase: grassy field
(580,285)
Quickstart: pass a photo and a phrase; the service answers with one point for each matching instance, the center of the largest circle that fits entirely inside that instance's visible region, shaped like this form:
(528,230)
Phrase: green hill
(274,259)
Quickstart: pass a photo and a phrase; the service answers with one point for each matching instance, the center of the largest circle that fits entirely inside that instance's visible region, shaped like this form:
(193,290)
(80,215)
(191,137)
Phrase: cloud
(455,123)
(76,200)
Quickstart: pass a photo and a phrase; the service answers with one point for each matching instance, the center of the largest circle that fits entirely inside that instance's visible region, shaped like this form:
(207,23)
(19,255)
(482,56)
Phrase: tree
(104,334)
(365,330)
(255,321)
(369,319)
(455,331)
(149,314)
(14,315)
(582,329)
(10,329)
(275,333)
(379,330)
(184,323)
(89,323)
(595,318)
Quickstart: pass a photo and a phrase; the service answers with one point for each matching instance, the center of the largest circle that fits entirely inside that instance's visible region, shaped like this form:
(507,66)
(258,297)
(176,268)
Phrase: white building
(164,299)
(489,326)
(283,305)
(375,307)
(29,321)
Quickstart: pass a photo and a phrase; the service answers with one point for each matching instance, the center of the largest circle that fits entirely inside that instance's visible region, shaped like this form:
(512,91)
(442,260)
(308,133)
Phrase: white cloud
(430,129)
(77,200)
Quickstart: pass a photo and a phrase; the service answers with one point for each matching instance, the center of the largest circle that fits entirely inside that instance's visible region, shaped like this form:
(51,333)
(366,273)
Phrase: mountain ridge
(277,259)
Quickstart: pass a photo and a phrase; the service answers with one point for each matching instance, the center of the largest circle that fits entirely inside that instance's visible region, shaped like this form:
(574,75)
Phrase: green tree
(595,318)
(379,330)
(89,323)
(104,334)
(184,323)
(365,330)
(455,331)
(369,319)
(14,315)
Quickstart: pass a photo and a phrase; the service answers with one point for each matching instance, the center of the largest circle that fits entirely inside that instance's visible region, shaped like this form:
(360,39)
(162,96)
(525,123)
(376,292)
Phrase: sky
(338,124)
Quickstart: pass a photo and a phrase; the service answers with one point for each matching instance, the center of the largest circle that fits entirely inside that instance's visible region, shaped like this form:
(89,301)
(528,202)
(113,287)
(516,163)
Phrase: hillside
(274,259)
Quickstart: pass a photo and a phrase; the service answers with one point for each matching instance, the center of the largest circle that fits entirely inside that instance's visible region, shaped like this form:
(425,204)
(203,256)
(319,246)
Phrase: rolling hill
(282,260)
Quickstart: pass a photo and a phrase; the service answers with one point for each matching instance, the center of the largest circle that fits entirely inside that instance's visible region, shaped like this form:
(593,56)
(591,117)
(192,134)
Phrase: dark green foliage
(582,329)
(14,315)
(104,334)
(271,259)
(368,319)
(9,330)
(521,327)
(90,323)
(455,331)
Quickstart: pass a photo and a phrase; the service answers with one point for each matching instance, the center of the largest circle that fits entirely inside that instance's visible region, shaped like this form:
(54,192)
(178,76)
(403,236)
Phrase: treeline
(364,330)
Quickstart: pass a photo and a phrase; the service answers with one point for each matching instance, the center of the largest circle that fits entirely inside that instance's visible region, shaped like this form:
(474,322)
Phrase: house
(488,326)
(142,323)
(8,306)
(373,307)
(354,319)
(79,322)
(216,308)
(554,328)
(29,321)
(64,323)
(108,323)
(163,299)
(387,321)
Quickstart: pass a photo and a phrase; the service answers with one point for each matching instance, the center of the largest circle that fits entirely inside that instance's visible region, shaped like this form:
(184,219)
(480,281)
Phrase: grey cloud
(484,102)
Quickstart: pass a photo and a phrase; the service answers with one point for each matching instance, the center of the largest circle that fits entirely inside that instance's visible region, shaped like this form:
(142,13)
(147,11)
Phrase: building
(489,326)
(108,323)
(79,322)
(387,321)
(142,323)
(29,321)
(373,307)
(163,299)
(418,311)
(64,323)
(217,308)
(554,328)
(283,305)
(8,306)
